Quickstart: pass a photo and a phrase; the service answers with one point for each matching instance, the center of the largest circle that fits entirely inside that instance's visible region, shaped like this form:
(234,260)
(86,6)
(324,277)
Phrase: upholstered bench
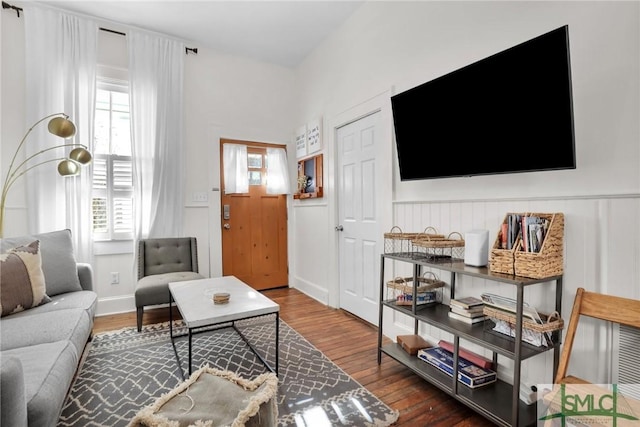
(211,398)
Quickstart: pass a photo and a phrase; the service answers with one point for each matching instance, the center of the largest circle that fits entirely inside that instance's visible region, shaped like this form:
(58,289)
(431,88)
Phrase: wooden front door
(254,226)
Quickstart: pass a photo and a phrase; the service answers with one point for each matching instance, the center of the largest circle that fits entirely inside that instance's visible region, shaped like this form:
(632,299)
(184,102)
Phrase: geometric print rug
(124,371)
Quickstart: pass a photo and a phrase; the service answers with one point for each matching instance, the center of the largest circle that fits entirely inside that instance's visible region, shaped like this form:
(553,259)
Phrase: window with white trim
(112,204)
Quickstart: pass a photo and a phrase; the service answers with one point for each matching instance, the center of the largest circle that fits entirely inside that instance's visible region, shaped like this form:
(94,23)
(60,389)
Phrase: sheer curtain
(277,171)
(236,176)
(156,79)
(61,57)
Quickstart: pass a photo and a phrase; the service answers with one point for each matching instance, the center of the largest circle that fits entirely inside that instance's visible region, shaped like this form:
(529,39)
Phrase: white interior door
(359,211)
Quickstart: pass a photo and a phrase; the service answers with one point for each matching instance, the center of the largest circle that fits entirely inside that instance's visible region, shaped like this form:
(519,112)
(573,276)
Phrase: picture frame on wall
(314,136)
(301,141)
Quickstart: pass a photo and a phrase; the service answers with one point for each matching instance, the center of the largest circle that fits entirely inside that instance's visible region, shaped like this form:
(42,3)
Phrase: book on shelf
(472,312)
(468,355)
(534,230)
(467,302)
(468,374)
(412,343)
(465,319)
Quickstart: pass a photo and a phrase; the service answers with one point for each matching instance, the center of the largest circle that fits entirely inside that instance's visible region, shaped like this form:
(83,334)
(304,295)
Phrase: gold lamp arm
(24,138)
(17,169)
(8,184)
(59,125)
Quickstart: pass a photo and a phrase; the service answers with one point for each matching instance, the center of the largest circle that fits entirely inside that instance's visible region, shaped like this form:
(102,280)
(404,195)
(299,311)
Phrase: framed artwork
(309,178)
(314,136)
(301,141)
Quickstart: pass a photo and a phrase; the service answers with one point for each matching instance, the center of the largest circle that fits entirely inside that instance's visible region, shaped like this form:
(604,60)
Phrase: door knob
(226,226)
(339,228)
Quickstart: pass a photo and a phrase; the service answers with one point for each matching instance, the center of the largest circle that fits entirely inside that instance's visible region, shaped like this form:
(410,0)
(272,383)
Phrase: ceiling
(279,32)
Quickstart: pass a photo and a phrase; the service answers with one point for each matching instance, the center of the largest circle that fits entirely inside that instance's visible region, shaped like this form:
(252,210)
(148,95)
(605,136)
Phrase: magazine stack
(468,374)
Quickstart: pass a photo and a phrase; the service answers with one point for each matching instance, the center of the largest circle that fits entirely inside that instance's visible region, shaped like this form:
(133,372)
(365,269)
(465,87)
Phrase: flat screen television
(510,112)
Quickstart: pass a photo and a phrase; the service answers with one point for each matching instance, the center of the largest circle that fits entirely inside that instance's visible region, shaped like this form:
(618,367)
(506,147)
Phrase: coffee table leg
(277,340)
(190,335)
(170,316)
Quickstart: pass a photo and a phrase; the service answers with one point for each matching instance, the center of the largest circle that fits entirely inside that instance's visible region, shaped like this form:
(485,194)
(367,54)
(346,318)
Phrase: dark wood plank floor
(351,343)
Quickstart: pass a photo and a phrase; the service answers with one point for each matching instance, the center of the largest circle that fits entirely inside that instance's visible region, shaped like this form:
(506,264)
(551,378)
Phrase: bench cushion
(154,289)
(212,397)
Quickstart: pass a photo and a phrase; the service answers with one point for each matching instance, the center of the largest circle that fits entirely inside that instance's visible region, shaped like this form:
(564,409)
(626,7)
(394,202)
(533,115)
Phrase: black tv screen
(510,112)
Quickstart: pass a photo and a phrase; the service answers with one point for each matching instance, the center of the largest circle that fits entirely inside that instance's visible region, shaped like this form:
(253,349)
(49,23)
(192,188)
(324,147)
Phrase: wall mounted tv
(510,112)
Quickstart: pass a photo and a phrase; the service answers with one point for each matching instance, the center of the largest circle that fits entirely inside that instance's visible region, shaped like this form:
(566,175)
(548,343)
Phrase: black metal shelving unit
(499,402)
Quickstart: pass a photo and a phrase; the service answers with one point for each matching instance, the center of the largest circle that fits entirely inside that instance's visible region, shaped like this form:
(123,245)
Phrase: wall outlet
(115,278)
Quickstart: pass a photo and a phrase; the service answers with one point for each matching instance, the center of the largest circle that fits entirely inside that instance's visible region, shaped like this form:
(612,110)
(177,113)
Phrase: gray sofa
(41,347)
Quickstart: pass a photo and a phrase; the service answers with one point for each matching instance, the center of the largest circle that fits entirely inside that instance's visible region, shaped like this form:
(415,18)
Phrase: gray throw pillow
(58,259)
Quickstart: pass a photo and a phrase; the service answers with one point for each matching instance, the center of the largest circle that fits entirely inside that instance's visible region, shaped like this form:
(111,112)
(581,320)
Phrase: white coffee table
(194,299)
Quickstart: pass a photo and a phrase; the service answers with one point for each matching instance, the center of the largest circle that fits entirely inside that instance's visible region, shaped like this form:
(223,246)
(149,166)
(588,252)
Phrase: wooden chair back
(610,308)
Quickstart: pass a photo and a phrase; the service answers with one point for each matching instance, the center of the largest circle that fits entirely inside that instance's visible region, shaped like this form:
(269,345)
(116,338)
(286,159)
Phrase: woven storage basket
(395,241)
(549,261)
(502,260)
(429,233)
(440,247)
(552,322)
(427,289)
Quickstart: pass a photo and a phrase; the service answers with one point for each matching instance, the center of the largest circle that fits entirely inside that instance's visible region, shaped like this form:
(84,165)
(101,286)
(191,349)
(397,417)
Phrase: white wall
(224,96)
(398,45)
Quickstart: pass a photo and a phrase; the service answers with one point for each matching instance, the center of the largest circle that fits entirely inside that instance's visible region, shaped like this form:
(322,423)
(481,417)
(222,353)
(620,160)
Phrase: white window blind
(112,166)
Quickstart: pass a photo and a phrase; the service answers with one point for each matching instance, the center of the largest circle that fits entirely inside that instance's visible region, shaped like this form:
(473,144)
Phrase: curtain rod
(6,5)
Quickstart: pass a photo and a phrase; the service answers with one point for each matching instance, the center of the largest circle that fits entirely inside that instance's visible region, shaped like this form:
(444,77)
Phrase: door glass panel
(254,161)
(255,178)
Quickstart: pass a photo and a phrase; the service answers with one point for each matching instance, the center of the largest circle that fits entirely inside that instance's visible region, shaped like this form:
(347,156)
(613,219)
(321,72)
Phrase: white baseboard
(312,290)
(115,305)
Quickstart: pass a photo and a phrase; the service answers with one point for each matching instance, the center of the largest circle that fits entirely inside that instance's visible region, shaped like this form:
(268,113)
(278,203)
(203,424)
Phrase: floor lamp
(61,126)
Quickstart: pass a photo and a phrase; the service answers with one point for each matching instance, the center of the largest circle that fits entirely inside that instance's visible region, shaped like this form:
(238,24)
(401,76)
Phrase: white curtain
(236,176)
(156,86)
(61,57)
(277,171)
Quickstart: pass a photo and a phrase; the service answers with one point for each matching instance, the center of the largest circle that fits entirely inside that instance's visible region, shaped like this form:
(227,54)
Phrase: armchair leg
(139,317)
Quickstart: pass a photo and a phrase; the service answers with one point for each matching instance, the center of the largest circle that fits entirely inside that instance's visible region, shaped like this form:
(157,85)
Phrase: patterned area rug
(127,370)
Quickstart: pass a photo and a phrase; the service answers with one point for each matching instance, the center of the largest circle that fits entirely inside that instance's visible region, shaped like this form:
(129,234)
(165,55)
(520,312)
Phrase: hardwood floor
(351,343)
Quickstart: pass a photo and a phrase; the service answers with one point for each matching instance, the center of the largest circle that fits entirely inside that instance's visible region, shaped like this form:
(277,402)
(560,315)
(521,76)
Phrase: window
(256,169)
(112,203)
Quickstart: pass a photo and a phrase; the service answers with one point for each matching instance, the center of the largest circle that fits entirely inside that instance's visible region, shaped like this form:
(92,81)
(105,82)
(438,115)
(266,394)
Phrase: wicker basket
(549,261)
(397,242)
(502,260)
(429,233)
(552,322)
(440,247)
(428,289)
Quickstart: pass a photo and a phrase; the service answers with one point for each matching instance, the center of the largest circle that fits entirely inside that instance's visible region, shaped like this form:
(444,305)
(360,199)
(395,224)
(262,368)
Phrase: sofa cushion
(58,259)
(85,300)
(73,325)
(48,371)
(22,284)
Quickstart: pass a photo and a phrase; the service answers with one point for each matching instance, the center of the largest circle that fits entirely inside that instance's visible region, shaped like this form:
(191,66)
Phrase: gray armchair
(161,261)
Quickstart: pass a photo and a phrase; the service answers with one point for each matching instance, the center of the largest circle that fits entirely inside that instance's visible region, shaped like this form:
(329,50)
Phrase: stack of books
(468,374)
(468,309)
